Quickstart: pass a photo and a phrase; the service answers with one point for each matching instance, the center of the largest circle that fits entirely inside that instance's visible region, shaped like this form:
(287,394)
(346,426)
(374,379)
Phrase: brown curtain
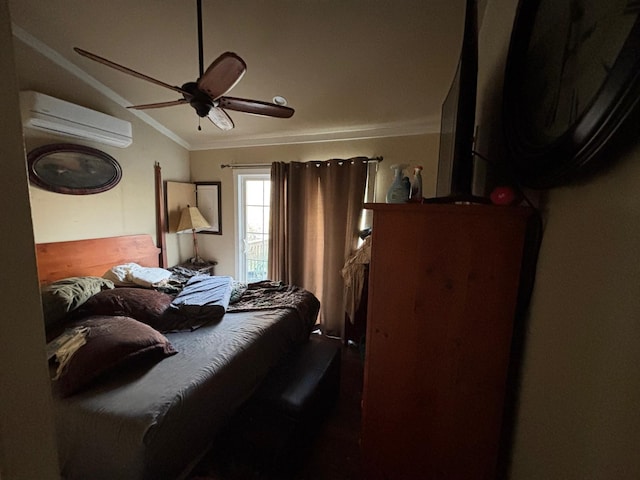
(315,209)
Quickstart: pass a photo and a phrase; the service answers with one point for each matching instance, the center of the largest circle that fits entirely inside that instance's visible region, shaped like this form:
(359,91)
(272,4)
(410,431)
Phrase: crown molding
(423,126)
(48,52)
(342,134)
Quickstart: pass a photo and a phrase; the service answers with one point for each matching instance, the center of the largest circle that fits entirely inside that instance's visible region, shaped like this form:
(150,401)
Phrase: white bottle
(416,185)
(400,188)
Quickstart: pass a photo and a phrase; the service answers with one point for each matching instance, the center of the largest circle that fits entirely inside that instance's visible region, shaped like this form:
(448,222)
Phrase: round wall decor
(572,77)
(73,169)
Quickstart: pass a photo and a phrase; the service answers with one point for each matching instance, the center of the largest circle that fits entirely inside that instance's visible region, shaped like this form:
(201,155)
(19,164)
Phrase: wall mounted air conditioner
(55,116)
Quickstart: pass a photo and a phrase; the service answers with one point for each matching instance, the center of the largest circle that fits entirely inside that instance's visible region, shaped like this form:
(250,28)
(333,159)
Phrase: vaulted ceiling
(349,68)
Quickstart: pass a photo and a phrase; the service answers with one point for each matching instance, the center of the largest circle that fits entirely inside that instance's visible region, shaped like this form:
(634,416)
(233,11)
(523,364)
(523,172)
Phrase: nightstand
(205,267)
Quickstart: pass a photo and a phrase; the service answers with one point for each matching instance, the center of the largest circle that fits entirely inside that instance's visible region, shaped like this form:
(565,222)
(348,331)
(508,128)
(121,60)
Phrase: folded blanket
(268,294)
(204,297)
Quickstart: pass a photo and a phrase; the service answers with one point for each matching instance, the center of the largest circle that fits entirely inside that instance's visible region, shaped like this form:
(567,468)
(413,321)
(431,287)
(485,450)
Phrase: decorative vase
(416,185)
(399,190)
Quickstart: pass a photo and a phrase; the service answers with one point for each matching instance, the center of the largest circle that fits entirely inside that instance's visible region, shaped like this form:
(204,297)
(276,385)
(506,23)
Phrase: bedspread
(149,423)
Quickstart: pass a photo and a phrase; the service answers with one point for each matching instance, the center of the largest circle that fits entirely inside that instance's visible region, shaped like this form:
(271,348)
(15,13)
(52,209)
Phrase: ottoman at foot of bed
(273,430)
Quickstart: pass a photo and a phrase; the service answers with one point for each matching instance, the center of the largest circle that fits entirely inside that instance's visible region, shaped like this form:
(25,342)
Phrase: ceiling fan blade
(123,69)
(220,118)
(255,106)
(182,101)
(222,75)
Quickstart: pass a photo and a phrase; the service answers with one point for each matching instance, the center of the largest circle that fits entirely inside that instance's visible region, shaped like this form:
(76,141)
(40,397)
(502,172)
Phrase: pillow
(146,306)
(149,276)
(132,274)
(237,289)
(63,296)
(110,343)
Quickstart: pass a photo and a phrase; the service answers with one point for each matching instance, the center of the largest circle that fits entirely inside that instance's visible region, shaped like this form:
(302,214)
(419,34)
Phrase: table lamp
(192,219)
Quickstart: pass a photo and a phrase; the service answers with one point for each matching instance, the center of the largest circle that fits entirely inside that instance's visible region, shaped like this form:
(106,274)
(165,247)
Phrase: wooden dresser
(443,288)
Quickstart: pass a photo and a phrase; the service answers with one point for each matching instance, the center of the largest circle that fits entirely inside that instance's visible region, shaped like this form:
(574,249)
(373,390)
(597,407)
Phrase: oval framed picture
(73,169)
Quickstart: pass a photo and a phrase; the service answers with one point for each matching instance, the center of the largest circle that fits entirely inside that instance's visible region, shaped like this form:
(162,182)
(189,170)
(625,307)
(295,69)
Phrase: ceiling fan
(207,94)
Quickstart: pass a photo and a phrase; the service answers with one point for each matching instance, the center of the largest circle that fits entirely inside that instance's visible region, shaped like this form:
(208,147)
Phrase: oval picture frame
(73,169)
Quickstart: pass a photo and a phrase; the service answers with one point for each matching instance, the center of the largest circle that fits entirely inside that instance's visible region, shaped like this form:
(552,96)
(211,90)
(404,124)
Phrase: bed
(153,418)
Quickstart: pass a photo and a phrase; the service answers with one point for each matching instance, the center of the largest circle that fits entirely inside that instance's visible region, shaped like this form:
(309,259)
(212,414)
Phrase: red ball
(503,196)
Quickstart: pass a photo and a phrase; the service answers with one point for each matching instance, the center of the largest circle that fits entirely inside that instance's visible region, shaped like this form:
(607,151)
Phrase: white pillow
(118,274)
(132,274)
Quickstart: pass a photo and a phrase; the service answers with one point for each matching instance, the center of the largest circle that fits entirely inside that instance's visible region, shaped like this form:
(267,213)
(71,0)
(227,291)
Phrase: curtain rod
(245,165)
(268,165)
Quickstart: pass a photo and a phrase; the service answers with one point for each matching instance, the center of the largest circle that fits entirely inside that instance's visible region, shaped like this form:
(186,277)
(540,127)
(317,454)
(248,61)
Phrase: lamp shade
(191,219)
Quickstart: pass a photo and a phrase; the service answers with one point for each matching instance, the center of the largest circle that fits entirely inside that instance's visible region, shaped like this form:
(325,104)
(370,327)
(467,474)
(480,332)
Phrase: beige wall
(27,441)
(578,416)
(205,166)
(129,208)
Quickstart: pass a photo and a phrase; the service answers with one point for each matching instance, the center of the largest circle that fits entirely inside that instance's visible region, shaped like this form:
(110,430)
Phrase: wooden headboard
(94,256)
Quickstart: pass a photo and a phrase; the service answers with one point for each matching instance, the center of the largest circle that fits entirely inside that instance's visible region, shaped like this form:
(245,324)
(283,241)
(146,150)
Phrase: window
(254,194)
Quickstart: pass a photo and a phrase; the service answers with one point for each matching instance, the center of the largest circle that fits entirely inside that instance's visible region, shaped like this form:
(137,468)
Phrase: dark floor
(334,450)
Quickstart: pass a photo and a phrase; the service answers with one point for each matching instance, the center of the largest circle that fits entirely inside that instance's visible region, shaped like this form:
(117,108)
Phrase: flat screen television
(457,123)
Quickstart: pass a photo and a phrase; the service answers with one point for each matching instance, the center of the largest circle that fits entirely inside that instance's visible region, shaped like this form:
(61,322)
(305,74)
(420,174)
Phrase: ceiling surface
(350,68)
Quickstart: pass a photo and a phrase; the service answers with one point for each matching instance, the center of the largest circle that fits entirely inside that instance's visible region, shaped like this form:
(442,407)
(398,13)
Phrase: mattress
(152,422)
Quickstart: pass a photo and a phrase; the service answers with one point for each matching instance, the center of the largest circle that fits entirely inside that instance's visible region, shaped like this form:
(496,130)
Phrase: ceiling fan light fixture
(280,100)
(220,118)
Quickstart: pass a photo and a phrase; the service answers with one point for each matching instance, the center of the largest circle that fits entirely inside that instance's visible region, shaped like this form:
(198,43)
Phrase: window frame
(239,179)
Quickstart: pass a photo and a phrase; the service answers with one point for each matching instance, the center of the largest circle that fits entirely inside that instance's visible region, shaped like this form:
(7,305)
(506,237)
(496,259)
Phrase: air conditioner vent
(58,117)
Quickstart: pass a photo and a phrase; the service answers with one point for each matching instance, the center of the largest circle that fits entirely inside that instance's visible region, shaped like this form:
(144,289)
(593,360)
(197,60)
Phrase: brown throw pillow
(112,342)
(145,305)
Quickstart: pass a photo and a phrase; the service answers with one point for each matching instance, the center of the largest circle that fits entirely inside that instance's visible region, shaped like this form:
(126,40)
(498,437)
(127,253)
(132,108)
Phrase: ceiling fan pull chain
(199,126)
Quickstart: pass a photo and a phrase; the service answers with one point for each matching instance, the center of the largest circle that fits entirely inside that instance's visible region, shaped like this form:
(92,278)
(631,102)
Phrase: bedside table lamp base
(197,258)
